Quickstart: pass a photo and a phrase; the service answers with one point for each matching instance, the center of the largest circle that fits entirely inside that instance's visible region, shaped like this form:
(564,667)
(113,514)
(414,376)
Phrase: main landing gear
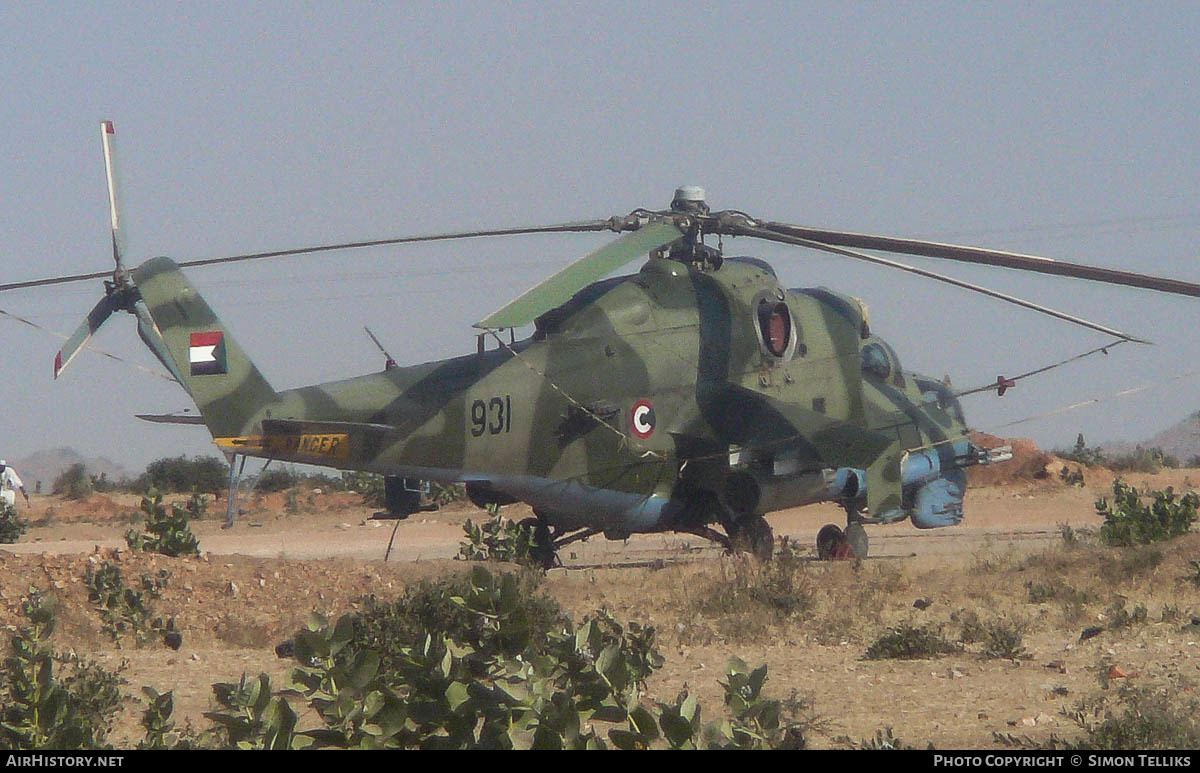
(747,534)
(834,544)
(753,535)
(547,543)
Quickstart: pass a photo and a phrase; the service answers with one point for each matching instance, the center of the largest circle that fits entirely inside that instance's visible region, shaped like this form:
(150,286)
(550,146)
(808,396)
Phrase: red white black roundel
(641,419)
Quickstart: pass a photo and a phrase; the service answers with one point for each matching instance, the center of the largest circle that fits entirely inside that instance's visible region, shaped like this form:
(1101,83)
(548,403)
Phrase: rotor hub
(689,198)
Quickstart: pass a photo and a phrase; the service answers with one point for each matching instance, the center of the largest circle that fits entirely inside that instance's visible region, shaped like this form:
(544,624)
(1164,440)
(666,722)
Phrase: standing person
(9,482)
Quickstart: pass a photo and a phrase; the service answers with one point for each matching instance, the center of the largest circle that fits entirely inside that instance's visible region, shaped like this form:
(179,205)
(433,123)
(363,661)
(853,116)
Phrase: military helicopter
(696,395)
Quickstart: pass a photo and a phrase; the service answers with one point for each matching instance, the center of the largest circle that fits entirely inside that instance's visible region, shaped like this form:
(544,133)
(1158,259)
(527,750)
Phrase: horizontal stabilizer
(169,418)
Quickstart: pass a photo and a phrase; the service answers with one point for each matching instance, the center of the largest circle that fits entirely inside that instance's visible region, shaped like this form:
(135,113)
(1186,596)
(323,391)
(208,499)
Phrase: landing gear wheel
(832,544)
(856,539)
(753,535)
(543,544)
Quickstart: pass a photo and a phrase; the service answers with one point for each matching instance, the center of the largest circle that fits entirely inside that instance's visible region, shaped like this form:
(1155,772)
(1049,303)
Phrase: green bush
(1146,460)
(11,525)
(73,483)
(499,539)
(1129,522)
(498,679)
(160,729)
(1081,454)
(907,642)
(428,608)
(1003,641)
(276,480)
(124,610)
(1134,719)
(167,532)
(368,484)
(180,475)
(42,710)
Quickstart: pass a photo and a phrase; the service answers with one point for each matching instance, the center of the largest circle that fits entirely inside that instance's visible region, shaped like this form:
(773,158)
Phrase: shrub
(160,729)
(123,609)
(1129,522)
(499,539)
(368,484)
(40,710)
(11,526)
(907,642)
(749,596)
(73,483)
(499,680)
(428,608)
(1003,641)
(180,475)
(1081,454)
(167,532)
(279,479)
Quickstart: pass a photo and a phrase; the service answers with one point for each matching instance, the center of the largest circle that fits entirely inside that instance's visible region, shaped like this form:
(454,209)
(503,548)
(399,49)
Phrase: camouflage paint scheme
(644,403)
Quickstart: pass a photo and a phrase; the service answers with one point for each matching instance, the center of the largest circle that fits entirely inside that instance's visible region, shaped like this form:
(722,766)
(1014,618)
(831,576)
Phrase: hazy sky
(1068,130)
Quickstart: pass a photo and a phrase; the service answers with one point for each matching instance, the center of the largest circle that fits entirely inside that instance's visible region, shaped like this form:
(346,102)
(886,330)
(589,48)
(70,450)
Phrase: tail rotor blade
(95,318)
(108,140)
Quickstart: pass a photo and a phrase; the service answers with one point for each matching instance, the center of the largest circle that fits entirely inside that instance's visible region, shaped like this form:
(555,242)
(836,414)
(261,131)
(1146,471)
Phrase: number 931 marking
(493,416)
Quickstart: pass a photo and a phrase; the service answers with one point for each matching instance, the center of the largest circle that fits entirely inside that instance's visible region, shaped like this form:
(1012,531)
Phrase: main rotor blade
(800,242)
(982,256)
(613,224)
(57,280)
(580,227)
(560,287)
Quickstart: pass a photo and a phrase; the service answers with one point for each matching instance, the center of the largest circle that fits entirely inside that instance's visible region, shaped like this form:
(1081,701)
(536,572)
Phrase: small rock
(174,640)
(1042,718)
(1029,721)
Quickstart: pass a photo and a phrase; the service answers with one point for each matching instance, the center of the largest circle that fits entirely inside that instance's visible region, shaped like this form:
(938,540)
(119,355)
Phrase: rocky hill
(1181,440)
(45,466)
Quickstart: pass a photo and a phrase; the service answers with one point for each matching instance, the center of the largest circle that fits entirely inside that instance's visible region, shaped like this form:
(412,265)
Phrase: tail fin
(223,382)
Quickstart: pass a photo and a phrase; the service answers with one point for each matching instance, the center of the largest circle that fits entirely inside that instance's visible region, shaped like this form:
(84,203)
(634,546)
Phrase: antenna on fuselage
(390,363)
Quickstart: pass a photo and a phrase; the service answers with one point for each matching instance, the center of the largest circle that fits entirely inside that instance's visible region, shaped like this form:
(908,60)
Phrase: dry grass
(1013,615)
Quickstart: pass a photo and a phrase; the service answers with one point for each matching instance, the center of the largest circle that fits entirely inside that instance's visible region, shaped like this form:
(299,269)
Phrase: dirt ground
(286,557)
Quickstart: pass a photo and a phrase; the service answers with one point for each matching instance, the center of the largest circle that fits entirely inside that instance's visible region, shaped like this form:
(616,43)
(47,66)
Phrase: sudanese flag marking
(206,354)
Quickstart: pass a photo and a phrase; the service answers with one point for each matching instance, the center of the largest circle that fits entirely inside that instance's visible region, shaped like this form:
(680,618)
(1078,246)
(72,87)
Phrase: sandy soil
(256,583)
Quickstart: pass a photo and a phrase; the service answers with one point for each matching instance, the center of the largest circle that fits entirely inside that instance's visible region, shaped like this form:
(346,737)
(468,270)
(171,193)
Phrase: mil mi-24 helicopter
(696,394)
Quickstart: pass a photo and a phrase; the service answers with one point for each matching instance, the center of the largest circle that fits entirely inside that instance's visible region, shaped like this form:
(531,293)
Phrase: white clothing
(10,482)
